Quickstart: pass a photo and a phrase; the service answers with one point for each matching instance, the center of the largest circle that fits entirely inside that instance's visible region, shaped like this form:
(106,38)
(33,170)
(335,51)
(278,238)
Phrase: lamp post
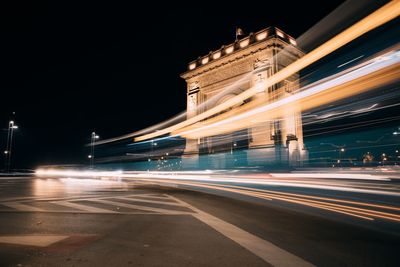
(93,139)
(384,158)
(341,150)
(340,155)
(7,152)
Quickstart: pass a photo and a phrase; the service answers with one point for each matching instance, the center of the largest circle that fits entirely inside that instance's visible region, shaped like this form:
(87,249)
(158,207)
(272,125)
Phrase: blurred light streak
(230,181)
(348,62)
(324,183)
(384,14)
(354,125)
(361,79)
(338,19)
(352,109)
(333,175)
(263,196)
(76,173)
(359,203)
(304,200)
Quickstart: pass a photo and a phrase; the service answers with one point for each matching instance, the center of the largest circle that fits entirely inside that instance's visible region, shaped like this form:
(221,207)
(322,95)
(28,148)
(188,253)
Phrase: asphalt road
(88,222)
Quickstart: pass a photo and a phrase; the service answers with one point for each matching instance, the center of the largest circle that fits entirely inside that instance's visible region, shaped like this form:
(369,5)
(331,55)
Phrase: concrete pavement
(117,223)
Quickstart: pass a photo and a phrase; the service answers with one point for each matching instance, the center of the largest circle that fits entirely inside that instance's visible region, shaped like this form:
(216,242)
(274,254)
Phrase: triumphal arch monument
(229,71)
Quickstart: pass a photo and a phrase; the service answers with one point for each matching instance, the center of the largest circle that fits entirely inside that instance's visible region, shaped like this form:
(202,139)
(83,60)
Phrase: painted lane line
(148,196)
(33,240)
(103,213)
(82,207)
(75,198)
(104,197)
(150,201)
(20,206)
(137,207)
(16,199)
(69,198)
(269,252)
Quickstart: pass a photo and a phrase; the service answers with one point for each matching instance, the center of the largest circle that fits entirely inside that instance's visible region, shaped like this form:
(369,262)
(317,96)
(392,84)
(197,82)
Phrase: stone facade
(234,68)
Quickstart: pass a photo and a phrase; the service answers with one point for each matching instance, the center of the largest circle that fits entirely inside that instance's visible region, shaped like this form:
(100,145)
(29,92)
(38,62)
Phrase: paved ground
(86,222)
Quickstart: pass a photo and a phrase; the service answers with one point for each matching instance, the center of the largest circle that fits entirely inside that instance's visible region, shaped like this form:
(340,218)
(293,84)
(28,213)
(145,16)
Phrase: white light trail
(344,77)
(348,62)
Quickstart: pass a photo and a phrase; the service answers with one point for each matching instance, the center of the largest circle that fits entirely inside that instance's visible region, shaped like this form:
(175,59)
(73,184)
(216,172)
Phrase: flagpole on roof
(239,32)
(236,34)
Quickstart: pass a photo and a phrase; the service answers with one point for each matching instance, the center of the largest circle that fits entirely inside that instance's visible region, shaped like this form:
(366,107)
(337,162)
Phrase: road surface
(112,222)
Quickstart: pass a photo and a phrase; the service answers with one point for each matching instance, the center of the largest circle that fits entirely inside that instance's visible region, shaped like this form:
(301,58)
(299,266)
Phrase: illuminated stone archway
(234,68)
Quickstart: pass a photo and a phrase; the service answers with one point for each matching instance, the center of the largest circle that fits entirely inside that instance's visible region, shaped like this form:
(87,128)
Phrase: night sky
(70,68)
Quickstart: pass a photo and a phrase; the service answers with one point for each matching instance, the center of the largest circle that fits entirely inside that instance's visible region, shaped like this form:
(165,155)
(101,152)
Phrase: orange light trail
(245,117)
(193,180)
(364,213)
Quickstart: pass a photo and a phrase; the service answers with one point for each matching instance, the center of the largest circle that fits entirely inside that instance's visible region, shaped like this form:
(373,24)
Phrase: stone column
(190,156)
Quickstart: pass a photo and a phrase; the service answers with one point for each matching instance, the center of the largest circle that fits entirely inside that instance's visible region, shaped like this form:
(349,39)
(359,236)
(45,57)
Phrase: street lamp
(341,150)
(384,159)
(7,152)
(93,139)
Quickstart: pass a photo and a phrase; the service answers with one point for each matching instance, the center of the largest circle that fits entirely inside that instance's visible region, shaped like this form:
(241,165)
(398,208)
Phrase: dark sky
(68,68)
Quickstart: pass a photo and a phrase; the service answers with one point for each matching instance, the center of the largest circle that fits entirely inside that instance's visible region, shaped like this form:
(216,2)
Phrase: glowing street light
(384,158)
(341,150)
(7,152)
(93,139)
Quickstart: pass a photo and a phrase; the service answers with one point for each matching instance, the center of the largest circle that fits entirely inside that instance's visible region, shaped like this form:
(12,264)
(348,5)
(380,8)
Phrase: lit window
(279,33)
(204,60)
(244,43)
(229,50)
(217,55)
(261,36)
(292,41)
(192,66)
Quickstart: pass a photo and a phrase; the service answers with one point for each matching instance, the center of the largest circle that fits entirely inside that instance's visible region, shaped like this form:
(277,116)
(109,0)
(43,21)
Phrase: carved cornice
(237,49)
(229,60)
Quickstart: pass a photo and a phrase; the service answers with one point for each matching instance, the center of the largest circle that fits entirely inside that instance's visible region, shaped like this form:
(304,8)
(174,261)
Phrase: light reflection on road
(356,194)
(68,186)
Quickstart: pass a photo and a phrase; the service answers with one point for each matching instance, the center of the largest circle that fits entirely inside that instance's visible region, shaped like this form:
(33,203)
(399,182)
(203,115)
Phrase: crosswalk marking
(21,206)
(150,201)
(146,208)
(82,207)
(264,249)
(138,203)
(148,196)
(32,240)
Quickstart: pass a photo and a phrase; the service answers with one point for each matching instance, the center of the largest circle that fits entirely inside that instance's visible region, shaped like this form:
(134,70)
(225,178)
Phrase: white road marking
(82,207)
(17,199)
(32,240)
(70,198)
(87,208)
(137,207)
(148,196)
(20,206)
(81,197)
(269,252)
(151,201)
